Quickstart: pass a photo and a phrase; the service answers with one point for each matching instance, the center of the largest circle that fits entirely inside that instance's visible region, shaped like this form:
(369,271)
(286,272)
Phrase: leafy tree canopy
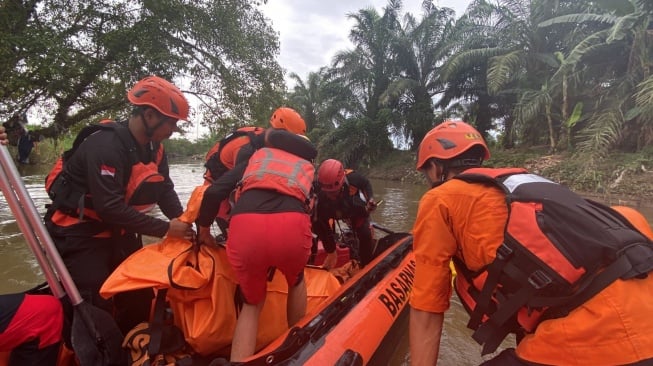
(73,61)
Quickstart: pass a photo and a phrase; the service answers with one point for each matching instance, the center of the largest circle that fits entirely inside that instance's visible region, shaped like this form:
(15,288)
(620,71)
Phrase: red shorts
(257,242)
(38,317)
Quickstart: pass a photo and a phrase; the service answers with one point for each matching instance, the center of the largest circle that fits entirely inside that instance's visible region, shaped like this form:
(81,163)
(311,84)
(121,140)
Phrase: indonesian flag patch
(107,170)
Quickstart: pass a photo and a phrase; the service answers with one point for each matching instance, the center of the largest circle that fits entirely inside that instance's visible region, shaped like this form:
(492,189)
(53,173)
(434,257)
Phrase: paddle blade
(387,241)
(96,338)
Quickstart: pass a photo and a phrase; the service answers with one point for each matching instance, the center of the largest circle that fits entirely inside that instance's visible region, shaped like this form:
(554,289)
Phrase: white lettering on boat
(395,294)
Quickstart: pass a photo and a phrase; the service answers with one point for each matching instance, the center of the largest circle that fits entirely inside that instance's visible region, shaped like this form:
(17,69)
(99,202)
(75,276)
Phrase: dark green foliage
(571,75)
(72,61)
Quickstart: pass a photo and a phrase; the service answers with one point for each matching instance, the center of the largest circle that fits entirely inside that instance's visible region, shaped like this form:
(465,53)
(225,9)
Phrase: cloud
(311,32)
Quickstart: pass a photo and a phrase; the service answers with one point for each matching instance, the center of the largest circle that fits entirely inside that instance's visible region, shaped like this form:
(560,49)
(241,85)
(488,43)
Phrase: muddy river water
(20,271)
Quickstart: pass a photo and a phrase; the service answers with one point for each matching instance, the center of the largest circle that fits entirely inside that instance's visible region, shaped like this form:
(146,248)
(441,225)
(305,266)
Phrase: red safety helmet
(448,140)
(331,175)
(160,94)
(289,120)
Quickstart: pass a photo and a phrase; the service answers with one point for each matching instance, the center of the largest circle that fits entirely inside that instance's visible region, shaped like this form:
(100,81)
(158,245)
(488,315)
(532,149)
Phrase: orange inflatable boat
(345,323)
(198,301)
(351,324)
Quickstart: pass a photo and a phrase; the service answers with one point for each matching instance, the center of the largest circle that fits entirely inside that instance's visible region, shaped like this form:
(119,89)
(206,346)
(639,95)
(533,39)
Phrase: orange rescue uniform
(467,220)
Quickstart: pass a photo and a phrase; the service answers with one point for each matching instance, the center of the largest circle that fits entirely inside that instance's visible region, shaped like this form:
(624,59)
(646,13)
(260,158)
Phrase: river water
(20,271)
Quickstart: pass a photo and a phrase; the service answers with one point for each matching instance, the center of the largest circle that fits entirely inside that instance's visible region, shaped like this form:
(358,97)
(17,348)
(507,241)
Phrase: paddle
(387,241)
(95,336)
(379,227)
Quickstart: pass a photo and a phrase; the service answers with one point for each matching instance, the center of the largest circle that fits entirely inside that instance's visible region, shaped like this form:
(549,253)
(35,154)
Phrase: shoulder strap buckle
(539,280)
(504,252)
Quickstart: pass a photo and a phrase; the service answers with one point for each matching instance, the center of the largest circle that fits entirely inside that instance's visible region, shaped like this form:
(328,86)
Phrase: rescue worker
(270,223)
(222,157)
(343,195)
(466,221)
(30,327)
(26,143)
(104,189)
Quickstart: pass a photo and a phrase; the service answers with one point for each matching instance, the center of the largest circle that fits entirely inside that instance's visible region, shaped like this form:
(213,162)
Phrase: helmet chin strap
(149,131)
(445,173)
(448,164)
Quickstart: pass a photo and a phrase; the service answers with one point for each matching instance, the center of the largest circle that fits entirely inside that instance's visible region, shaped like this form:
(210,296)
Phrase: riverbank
(621,178)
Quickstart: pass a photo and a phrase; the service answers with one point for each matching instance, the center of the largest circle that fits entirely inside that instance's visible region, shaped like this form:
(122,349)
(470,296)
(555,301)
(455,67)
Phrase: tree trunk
(552,139)
(565,130)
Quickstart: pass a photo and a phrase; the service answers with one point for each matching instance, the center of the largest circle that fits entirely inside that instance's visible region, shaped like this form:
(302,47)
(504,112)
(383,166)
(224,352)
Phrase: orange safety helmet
(331,175)
(160,94)
(289,120)
(448,140)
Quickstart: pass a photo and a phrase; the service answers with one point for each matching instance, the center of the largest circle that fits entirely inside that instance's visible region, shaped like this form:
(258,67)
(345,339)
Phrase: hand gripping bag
(202,289)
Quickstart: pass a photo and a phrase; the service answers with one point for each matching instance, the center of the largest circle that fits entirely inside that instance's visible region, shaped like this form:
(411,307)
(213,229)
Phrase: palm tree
(617,114)
(321,101)
(367,71)
(308,97)
(421,50)
(472,43)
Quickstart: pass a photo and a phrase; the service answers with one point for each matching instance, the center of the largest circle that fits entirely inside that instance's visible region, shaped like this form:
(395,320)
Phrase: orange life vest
(222,156)
(278,170)
(71,204)
(559,251)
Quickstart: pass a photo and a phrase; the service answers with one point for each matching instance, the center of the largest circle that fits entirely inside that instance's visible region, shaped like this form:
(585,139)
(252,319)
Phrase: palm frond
(602,133)
(644,99)
(586,47)
(579,18)
(502,69)
(623,27)
(531,105)
(397,88)
(466,59)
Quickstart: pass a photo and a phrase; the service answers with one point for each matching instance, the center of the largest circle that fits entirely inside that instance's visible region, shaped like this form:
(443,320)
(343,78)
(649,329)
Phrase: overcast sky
(312,31)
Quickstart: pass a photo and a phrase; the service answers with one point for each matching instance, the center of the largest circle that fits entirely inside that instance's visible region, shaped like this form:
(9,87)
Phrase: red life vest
(278,170)
(72,204)
(220,158)
(559,251)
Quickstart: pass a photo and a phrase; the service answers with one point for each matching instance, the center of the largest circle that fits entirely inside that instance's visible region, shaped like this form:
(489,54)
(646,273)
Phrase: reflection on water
(20,271)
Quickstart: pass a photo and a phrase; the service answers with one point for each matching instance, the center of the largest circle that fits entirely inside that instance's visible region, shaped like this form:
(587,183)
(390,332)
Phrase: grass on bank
(627,174)
(49,150)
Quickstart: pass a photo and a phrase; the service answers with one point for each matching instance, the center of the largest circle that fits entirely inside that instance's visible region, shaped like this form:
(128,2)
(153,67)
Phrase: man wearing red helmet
(465,217)
(102,189)
(343,195)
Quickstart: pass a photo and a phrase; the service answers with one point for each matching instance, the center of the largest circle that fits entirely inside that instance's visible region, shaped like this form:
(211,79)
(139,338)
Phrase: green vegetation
(626,175)
(532,72)
(71,62)
(182,148)
(49,150)
(564,78)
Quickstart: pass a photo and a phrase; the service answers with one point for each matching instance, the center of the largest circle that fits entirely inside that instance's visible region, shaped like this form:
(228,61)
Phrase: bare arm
(425,329)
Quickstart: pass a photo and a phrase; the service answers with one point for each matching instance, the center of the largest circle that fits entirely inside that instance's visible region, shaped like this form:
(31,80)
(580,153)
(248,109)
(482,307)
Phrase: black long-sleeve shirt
(104,149)
(346,206)
(255,200)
